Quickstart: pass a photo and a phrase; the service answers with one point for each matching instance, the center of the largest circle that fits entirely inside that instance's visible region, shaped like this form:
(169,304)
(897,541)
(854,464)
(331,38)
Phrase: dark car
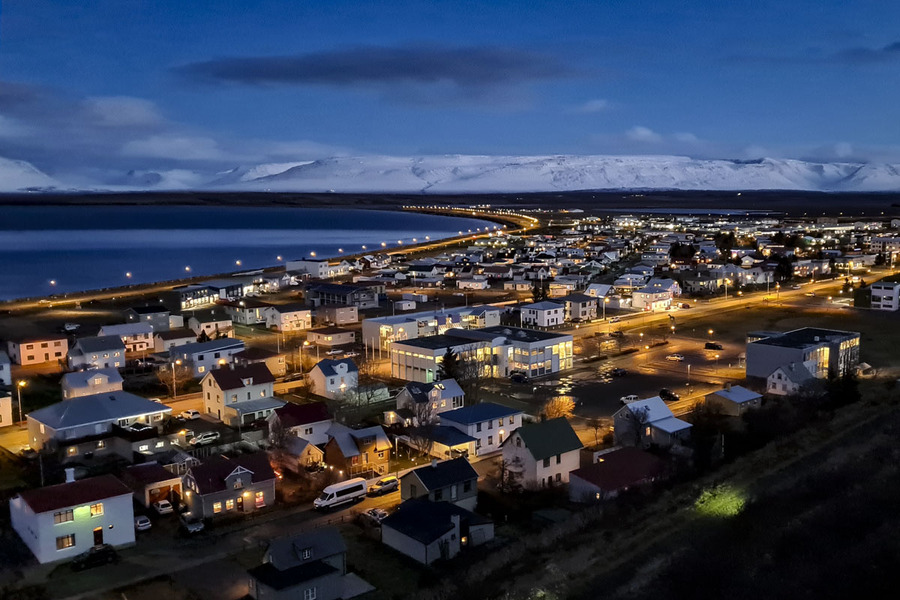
(668,395)
(103,554)
(616,334)
(712,346)
(617,372)
(518,378)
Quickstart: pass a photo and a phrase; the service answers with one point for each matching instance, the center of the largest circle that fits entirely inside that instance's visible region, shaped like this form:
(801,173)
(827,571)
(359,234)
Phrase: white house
(97,353)
(288,317)
(137,337)
(791,379)
(163,340)
(309,421)
(33,351)
(59,522)
(734,400)
(437,397)
(543,454)
(543,314)
(6,411)
(92,381)
(487,422)
(238,394)
(648,298)
(647,422)
(212,323)
(5,369)
(333,378)
(205,356)
(885,295)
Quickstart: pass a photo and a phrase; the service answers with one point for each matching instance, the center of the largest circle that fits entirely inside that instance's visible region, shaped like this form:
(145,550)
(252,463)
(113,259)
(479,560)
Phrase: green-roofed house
(543,453)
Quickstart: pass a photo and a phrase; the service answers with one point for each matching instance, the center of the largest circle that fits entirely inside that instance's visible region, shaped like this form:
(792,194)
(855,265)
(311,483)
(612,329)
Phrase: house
(361,297)
(734,400)
(5,369)
(204,356)
(886,295)
(246,311)
(616,471)
(319,269)
(331,336)
(297,454)
(543,314)
(239,395)
(212,324)
(6,408)
(137,337)
(309,566)
(358,451)
(309,421)
(333,378)
(223,486)
(651,298)
(649,422)
(97,353)
(454,481)
(92,415)
(664,284)
(543,454)
(487,422)
(155,316)
(187,297)
(164,340)
(59,522)
(599,290)
(429,531)
(92,381)
(151,482)
(288,317)
(336,314)
(792,379)
(381,332)
(37,350)
(274,361)
(579,307)
(425,401)
(831,351)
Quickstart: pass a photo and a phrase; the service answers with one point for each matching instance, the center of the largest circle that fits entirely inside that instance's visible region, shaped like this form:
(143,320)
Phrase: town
(429,416)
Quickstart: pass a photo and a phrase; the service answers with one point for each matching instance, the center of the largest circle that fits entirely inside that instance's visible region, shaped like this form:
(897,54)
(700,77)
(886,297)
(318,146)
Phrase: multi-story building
(488,423)
(224,486)
(37,350)
(237,394)
(543,314)
(204,356)
(885,295)
(543,454)
(381,332)
(156,316)
(830,351)
(334,378)
(341,294)
(92,381)
(97,353)
(137,337)
(288,317)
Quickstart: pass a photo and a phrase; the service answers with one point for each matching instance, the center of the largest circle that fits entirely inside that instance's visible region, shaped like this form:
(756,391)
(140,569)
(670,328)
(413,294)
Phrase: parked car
(334,352)
(616,334)
(712,346)
(668,395)
(614,319)
(140,427)
(71,327)
(294,377)
(190,525)
(795,287)
(190,415)
(384,486)
(811,294)
(163,507)
(351,354)
(375,515)
(102,554)
(629,399)
(618,372)
(517,377)
(675,357)
(207,437)
(685,305)
(142,523)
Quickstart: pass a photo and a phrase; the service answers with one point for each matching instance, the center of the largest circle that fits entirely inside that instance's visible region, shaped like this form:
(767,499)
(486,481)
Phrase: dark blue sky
(87,88)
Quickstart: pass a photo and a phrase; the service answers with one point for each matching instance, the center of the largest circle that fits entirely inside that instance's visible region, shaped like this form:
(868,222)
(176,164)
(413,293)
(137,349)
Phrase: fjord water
(95,246)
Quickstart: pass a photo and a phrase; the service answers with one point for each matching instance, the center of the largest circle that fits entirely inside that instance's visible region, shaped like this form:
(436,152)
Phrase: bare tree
(421,438)
(510,475)
(559,406)
(634,429)
(175,376)
(596,424)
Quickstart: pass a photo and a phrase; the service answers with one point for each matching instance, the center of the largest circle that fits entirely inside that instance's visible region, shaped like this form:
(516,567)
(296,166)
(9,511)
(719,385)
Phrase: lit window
(97,509)
(260,499)
(72,450)
(65,541)
(143,447)
(229,505)
(217,507)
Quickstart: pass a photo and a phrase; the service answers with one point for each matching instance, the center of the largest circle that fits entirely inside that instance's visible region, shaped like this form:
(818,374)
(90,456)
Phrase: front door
(240,503)
(98,536)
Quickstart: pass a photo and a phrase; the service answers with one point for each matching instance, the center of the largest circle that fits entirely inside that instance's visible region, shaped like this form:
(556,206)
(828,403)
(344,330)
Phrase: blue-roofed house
(454,481)
(97,352)
(92,381)
(734,400)
(649,422)
(205,356)
(487,422)
(334,378)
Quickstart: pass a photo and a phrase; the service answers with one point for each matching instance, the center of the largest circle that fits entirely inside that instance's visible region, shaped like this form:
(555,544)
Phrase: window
(306,553)
(260,500)
(229,504)
(217,507)
(143,447)
(309,594)
(72,450)
(499,422)
(97,509)
(238,483)
(478,427)
(63,516)
(490,440)
(546,463)
(558,458)
(438,495)
(558,477)
(307,431)
(65,541)
(160,444)
(201,369)
(101,445)
(511,420)
(467,486)
(490,424)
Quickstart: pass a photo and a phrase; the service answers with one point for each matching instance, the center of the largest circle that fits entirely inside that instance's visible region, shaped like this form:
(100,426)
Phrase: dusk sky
(88,88)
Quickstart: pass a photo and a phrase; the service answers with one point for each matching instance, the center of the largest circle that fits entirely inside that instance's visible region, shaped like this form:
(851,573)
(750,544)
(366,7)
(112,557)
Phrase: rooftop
(622,468)
(442,474)
(96,408)
(233,378)
(806,336)
(76,493)
(549,438)
(292,415)
(478,413)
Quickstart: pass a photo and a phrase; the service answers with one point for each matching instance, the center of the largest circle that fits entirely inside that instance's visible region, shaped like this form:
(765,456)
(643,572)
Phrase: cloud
(643,134)
(593,106)
(174,146)
(466,71)
(122,111)
(857,55)
(862,55)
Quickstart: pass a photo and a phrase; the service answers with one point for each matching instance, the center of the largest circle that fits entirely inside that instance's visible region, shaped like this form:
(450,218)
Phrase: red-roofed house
(309,421)
(615,472)
(61,521)
(239,394)
(225,485)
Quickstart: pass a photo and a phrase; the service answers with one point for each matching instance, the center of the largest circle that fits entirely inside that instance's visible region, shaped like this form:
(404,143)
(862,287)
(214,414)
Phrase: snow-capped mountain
(18,175)
(475,174)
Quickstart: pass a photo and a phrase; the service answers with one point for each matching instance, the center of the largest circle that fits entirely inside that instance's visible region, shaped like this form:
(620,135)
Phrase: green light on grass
(720,501)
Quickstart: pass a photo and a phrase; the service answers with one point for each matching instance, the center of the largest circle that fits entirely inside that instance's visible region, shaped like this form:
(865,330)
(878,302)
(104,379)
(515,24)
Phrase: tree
(596,424)
(631,430)
(450,366)
(510,480)
(708,424)
(174,376)
(539,291)
(559,406)
(203,337)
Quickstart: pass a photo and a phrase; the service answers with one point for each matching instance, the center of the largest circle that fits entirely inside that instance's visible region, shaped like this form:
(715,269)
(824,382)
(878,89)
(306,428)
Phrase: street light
(605,302)
(710,332)
(174,384)
(300,349)
(19,385)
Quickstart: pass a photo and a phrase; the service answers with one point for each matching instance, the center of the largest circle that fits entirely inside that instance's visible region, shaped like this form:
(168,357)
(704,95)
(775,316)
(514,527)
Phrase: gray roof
(448,388)
(286,552)
(549,438)
(478,413)
(80,379)
(107,407)
(738,394)
(807,336)
(248,406)
(103,343)
(346,438)
(210,346)
(444,473)
(127,329)
(327,366)
(545,305)
(426,521)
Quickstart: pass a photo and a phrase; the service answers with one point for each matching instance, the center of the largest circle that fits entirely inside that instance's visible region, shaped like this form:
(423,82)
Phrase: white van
(341,493)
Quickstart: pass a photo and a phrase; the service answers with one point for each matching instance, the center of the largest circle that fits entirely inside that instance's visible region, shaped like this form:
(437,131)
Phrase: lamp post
(689,374)
(605,302)
(174,383)
(300,349)
(727,281)
(19,385)
(710,332)
(717,363)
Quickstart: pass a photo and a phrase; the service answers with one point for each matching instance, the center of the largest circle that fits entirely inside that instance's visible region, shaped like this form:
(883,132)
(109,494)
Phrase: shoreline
(142,289)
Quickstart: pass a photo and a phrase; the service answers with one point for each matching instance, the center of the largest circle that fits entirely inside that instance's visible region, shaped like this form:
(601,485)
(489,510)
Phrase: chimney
(434,462)
(70,475)
(728,386)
